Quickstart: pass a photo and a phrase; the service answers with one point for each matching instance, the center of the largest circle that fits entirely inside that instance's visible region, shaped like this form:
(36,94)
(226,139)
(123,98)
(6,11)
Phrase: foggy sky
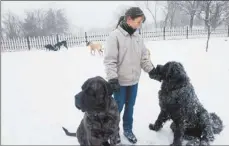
(83,14)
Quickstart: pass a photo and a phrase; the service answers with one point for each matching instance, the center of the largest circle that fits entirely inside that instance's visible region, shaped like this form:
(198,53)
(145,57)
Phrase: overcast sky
(85,14)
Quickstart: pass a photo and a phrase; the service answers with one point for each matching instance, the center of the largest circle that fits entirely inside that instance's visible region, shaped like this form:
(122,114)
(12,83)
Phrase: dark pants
(127,95)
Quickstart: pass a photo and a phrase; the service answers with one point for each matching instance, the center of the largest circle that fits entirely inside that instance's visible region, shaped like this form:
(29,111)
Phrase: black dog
(59,44)
(178,101)
(50,47)
(101,118)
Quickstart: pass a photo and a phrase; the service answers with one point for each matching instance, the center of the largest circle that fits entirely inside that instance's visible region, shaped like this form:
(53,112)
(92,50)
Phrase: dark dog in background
(59,44)
(50,47)
(178,101)
(101,119)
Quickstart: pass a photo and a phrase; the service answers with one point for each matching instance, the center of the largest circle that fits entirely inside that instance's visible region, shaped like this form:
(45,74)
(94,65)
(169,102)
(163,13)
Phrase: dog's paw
(204,143)
(194,142)
(106,143)
(154,127)
(176,144)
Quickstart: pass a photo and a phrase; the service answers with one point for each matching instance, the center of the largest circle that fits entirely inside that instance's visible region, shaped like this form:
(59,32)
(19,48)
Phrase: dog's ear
(181,66)
(108,88)
(176,73)
(86,84)
(108,93)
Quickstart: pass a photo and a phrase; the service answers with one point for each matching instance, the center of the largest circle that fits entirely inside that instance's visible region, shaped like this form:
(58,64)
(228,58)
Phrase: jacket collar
(126,33)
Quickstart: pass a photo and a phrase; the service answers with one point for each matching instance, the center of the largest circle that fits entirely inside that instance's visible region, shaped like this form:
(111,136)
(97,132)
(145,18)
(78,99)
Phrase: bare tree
(152,11)
(214,13)
(205,11)
(172,7)
(166,16)
(180,19)
(55,22)
(226,21)
(11,25)
(219,13)
(40,14)
(169,9)
(190,8)
(62,21)
(1,35)
(33,23)
(50,22)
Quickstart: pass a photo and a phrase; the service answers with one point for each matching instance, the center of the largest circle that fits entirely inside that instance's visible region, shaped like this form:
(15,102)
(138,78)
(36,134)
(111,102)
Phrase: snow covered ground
(38,90)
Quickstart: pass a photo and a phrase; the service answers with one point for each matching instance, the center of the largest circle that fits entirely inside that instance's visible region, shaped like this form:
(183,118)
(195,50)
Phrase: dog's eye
(101,95)
(90,92)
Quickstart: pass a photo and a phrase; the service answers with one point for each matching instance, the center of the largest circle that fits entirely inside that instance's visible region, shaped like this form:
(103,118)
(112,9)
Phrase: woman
(124,56)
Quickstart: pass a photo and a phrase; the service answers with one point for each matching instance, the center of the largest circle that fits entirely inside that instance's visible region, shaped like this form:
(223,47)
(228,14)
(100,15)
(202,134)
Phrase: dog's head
(95,95)
(65,44)
(171,71)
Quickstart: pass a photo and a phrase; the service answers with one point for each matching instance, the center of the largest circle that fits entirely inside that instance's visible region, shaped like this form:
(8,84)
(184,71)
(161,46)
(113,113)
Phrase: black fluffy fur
(101,119)
(178,102)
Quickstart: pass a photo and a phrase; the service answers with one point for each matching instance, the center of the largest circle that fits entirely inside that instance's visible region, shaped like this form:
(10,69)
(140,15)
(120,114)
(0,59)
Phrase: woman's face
(135,23)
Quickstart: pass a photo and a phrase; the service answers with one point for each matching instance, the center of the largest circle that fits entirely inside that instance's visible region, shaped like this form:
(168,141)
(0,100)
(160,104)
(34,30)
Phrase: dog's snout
(157,73)
(78,100)
(160,67)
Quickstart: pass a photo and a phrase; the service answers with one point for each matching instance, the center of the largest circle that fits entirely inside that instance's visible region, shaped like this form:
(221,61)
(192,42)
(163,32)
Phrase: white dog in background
(95,46)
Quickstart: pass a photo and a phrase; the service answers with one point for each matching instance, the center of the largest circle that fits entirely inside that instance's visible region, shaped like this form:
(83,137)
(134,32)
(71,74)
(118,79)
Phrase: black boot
(130,136)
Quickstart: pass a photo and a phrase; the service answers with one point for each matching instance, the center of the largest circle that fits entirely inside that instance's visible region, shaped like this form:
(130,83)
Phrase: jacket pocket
(125,74)
(138,48)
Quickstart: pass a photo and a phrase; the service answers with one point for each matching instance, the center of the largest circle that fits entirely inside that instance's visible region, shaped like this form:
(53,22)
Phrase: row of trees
(40,22)
(211,13)
(183,13)
(37,22)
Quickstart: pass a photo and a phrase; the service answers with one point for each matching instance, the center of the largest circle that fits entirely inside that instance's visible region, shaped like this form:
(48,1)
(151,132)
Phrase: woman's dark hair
(120,20)
(133,13)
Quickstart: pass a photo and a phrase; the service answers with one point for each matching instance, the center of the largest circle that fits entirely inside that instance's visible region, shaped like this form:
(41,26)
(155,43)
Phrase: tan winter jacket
(125,56)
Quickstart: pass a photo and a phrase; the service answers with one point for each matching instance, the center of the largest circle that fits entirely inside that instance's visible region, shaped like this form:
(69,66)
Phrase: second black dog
(178,101)
(100,123)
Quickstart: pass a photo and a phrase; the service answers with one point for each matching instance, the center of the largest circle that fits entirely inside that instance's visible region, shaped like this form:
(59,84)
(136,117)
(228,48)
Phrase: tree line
(208,13)
(38,22)
(187,13)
